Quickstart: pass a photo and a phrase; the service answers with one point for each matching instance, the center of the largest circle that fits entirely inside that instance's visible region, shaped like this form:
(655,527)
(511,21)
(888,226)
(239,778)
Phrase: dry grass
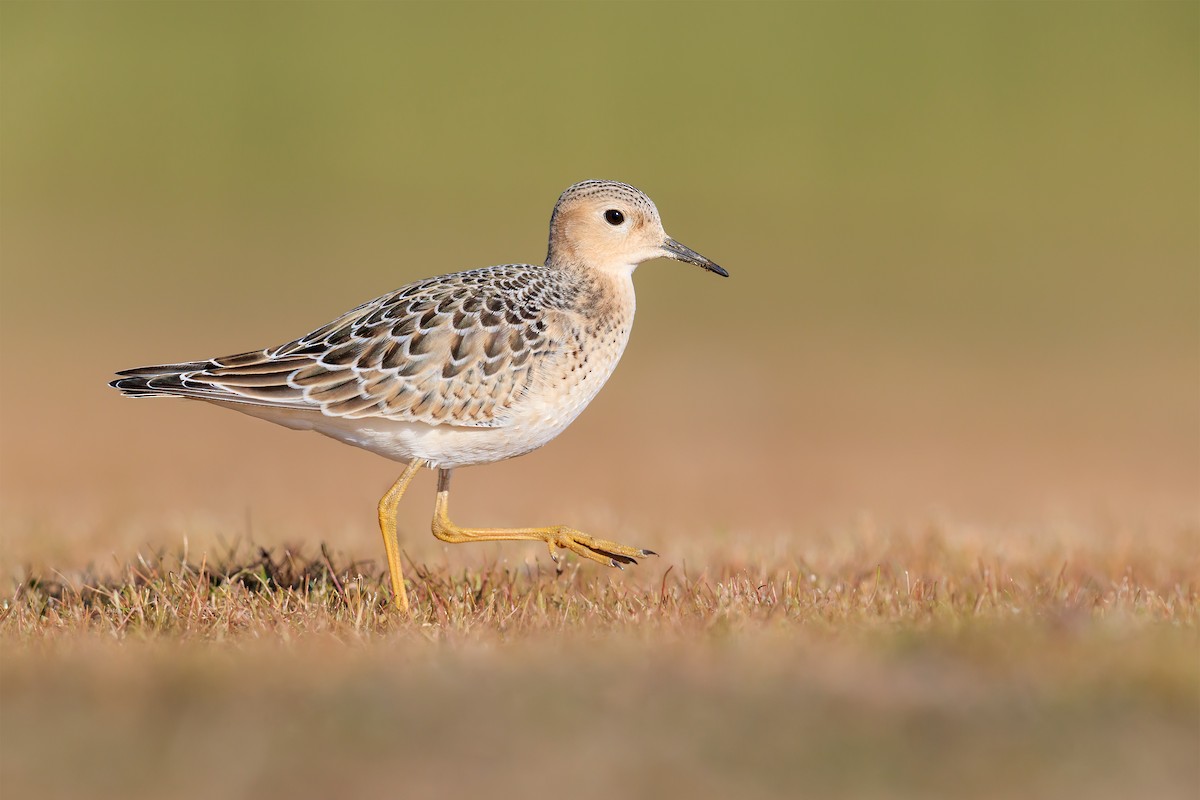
(935,666)
(915,583)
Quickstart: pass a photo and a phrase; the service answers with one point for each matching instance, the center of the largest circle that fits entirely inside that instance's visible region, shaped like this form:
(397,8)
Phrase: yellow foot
(603,551)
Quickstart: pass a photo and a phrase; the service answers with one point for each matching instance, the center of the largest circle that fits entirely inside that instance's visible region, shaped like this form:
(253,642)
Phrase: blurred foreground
(928,669)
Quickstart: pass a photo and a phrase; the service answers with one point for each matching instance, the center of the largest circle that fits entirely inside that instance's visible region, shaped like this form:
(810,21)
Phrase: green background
(977,169)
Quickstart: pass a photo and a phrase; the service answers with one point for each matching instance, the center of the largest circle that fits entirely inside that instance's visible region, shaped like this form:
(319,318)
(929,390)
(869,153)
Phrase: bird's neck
(609,296)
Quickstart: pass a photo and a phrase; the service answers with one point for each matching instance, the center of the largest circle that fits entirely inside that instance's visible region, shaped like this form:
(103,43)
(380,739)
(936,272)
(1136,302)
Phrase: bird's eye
(613,217)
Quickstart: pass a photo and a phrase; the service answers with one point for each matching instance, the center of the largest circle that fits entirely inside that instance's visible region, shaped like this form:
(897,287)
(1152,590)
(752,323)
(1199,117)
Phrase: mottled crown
(622,194)
(602,189)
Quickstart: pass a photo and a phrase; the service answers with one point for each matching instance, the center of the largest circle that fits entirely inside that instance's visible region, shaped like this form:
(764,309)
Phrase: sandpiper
(463,369)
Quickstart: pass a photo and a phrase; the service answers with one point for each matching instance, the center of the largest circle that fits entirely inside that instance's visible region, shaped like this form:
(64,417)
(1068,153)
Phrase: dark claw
(612,562)
(615,559)
(649,553)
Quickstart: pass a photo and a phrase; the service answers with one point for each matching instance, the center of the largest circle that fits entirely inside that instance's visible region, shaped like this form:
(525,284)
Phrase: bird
(459,370)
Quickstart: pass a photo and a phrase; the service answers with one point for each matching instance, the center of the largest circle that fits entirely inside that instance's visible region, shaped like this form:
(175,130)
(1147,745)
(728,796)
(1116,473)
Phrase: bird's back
(512,345)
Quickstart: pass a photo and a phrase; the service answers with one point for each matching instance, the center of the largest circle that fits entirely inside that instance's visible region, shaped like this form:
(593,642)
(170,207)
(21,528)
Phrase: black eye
(614,217)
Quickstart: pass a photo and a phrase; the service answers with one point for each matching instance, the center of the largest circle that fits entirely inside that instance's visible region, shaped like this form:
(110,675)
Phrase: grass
(936,666)
(915,583)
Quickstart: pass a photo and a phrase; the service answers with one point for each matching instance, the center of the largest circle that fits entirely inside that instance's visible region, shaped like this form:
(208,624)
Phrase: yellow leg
(387,525)
(601,550)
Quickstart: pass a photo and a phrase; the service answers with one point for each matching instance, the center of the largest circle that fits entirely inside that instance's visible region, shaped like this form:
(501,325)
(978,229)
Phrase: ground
(913,666)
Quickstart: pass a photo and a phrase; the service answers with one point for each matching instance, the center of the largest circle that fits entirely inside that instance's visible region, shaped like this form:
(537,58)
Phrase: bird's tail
(161,380)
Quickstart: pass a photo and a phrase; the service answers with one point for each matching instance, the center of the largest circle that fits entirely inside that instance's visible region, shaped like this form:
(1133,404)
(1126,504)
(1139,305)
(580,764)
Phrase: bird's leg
(601,550)
(387,525)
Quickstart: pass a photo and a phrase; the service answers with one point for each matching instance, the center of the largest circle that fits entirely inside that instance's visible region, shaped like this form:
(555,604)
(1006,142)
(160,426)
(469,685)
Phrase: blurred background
(964,310)
(963,241)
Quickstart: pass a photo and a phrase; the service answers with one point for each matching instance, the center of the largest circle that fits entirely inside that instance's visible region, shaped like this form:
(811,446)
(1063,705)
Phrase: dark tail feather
(133,387)
(181,380)
(158,384)
(160,380)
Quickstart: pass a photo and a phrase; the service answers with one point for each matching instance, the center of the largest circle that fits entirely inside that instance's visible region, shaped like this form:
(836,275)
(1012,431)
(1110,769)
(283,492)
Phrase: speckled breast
(567,381)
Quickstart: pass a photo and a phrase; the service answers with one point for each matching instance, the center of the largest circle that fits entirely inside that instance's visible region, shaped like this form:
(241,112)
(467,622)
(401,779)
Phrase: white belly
(442,446)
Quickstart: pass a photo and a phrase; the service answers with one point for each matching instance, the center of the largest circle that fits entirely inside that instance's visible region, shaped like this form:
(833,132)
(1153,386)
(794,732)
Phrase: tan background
(963,243)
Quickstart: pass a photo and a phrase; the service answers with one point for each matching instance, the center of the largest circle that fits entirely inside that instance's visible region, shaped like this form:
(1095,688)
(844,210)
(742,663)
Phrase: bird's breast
(570,378)
(589,340)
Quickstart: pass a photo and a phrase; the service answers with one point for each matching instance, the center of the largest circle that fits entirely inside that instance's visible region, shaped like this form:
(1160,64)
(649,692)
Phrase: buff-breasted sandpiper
(463,369)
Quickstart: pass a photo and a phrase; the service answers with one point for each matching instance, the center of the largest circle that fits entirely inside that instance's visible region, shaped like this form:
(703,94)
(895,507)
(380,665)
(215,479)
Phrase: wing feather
(457,350)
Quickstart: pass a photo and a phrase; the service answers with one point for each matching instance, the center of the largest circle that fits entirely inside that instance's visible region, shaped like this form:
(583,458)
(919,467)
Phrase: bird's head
(612,227)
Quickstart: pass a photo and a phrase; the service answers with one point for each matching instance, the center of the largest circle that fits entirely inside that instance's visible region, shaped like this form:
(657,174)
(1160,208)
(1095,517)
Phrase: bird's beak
(673,249)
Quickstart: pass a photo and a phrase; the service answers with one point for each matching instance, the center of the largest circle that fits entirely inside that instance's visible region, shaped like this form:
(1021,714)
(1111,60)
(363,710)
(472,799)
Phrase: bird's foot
(602,551)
